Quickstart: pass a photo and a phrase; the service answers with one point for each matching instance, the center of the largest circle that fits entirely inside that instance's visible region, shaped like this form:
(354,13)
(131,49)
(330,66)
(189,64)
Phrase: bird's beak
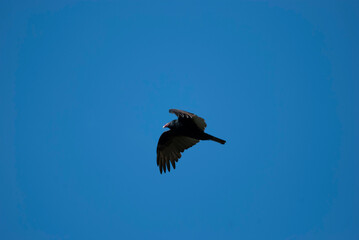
(166,125)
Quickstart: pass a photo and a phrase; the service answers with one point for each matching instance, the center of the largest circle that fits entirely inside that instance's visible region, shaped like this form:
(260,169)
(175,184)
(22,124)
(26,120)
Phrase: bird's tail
(213,138)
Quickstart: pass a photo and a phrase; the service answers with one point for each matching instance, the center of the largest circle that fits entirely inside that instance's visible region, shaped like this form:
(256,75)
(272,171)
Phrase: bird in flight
(184,132)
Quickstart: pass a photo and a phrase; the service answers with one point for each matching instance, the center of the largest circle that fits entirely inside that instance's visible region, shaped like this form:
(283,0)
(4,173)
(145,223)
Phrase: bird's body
(184,132)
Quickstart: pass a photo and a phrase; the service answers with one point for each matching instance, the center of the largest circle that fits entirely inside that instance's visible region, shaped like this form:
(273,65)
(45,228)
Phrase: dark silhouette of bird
(184,132)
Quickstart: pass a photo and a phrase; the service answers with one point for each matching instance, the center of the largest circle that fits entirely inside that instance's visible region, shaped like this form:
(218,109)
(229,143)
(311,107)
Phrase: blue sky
(85,90)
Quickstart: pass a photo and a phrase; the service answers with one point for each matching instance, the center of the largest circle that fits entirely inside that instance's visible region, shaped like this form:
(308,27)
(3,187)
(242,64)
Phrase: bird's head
(169,125)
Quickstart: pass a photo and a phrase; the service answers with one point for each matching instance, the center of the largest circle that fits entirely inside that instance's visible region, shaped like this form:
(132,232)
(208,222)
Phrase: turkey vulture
(184,132)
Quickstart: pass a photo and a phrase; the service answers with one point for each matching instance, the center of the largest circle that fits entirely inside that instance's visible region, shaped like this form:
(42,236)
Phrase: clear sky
(85,88)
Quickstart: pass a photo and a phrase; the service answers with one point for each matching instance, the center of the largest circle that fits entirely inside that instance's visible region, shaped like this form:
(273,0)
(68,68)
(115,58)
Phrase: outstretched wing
(197,120)
(169,148)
